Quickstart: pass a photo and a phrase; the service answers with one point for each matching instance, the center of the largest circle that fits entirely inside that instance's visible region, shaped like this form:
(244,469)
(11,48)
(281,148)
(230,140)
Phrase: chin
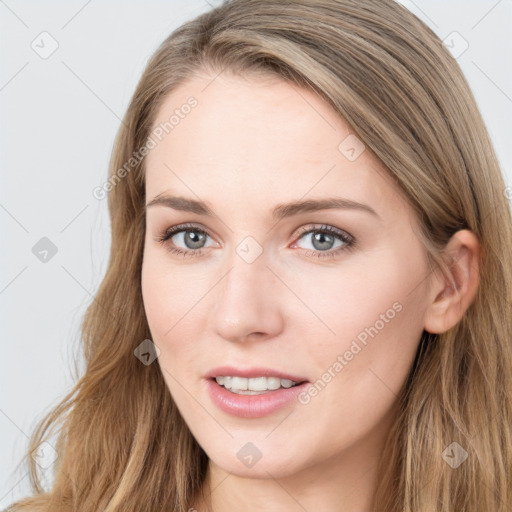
(261,466)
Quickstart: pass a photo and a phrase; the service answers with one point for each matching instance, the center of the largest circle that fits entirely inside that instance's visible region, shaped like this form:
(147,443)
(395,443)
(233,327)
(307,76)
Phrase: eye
(323,241)
(192,237)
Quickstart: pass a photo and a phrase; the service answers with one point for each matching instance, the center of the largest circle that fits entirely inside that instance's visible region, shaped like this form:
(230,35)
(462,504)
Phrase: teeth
(253,385)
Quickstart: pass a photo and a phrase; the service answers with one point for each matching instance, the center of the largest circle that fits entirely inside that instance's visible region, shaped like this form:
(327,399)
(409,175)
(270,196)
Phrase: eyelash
(348,240)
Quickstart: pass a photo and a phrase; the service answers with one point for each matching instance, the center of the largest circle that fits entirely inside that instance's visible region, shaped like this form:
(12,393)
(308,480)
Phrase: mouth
(255,392)
(254,385)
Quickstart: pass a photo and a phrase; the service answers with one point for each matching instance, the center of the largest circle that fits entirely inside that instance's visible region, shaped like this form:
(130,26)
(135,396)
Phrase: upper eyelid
(327,227)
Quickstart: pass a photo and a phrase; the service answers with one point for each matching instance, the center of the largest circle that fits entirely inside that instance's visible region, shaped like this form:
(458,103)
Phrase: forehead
(263,138)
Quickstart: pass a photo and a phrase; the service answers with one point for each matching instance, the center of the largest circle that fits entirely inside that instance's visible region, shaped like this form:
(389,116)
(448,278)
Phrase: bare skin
(248,146)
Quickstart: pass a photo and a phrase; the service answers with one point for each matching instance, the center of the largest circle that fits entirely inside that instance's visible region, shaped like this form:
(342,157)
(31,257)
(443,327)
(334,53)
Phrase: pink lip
(252,406)
(252,372)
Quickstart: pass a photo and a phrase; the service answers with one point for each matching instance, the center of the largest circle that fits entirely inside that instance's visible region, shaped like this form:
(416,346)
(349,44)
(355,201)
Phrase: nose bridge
(243,285)
(246,301)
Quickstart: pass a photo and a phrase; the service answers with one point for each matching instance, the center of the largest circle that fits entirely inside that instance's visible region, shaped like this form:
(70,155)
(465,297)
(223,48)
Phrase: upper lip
(253,372)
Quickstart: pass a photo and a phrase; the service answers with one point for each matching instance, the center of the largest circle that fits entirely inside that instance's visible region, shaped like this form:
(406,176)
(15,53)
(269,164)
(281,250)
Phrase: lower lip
(252,406)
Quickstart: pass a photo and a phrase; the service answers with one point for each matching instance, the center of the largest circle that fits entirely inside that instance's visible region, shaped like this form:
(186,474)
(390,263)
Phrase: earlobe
(452,294)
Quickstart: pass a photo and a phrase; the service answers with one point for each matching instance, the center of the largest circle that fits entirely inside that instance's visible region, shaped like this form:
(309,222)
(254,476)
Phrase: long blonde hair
(122,443)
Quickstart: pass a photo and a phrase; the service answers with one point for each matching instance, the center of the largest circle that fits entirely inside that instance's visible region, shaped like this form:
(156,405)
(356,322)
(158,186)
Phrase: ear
(451,295)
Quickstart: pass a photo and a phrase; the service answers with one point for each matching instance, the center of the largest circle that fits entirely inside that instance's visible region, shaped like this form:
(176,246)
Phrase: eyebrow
(281,211)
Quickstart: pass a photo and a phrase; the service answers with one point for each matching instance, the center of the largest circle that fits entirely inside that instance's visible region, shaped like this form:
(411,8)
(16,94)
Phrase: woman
(308,300)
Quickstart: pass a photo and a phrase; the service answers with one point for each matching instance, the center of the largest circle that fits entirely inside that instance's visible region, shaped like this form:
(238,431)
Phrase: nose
(247,302)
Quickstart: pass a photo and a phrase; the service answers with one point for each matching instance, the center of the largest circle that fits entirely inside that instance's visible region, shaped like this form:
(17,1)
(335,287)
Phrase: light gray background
(59,118)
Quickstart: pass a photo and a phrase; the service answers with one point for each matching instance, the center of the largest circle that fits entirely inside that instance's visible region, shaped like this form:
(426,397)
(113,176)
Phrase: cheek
(375,311)
(166,305)
(168,291)
(367,294)
(174,302)
(157,297)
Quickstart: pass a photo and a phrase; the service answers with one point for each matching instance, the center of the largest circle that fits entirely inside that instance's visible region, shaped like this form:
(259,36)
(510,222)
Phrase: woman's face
(262,287)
